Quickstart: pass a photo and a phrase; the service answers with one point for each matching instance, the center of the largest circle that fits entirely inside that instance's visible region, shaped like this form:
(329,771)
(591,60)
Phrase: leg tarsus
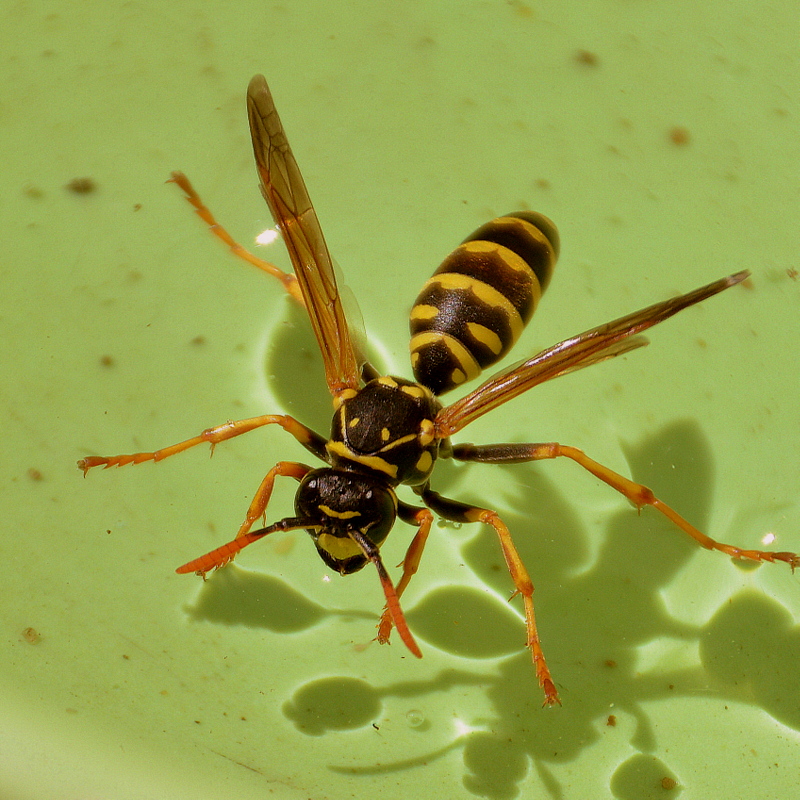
(461,512)
(213,436)
(288,280)
(524,587)
(636,493)
(423,518)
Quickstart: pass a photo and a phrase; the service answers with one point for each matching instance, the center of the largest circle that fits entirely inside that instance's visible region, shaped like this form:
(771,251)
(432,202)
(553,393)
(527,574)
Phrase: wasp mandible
(387,431)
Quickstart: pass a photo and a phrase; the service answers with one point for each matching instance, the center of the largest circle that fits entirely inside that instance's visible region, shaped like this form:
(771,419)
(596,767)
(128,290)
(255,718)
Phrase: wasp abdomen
(473,309)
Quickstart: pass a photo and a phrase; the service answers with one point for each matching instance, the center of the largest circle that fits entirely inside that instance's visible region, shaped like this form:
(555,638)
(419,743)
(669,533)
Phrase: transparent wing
(590,347)
(285,192)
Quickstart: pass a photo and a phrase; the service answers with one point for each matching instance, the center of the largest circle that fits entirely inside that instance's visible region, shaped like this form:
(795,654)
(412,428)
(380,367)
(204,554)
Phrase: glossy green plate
(662,139)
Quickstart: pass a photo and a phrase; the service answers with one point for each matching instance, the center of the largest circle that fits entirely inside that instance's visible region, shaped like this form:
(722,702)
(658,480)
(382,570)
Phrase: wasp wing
(285,192)
(590,347)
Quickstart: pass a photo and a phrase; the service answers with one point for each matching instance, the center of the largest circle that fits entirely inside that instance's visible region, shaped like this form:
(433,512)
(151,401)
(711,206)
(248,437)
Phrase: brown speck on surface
(792,273)
(611,721)
(35,475)
(522,9)
(107,361)
(586,58)
(31,636)
(34,192)
(668,783)
(198,341)
(81,186)
(679,135)
(610,663)
(137,206)
(542,183)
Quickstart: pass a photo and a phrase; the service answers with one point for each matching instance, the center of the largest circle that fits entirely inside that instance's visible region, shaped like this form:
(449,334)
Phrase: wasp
(388,431)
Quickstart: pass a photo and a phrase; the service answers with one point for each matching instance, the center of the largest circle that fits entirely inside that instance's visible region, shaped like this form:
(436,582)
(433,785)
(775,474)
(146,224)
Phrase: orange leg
(460,512)
(423,519)
(638,494)
(225,553)
(370,550)
(287,279)
(213,436)
(258,505)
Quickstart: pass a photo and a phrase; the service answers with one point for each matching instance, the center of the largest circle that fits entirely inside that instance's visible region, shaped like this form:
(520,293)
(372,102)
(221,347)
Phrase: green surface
(125,326)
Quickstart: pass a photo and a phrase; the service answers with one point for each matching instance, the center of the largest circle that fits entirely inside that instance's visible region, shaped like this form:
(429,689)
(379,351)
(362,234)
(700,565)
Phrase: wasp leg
(222,555)
(288,280)
(213,436)
(636,493)
(370,551)
(460,512)
(258,505)
(423,519)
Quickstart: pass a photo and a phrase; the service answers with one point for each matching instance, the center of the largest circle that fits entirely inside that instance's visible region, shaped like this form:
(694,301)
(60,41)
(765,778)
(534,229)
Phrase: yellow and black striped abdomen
(473,309)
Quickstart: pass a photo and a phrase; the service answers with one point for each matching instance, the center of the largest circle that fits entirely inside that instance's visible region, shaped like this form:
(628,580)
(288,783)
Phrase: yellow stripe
(486,337)
(338,399)
(450,281)
(373,462)
(415,390)
(511,259)
(458,352)
(424,462)
(424,311)
(427,432)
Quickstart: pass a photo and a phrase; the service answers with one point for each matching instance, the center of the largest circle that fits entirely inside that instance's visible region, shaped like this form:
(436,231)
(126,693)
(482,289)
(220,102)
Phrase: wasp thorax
(387,428)
(341,501)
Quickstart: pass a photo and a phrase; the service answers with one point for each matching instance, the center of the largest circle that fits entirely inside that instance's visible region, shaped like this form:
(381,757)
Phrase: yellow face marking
(385,434)
(424,462)
(353,422)
(338,514)
(423,311)
(339,547)
(450,281)
(387,381)
(373,462)
(457,376)
(469,366)
(485,336)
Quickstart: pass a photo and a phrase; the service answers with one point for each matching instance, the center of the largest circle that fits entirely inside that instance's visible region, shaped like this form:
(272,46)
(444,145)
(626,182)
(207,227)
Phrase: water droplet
(415,718)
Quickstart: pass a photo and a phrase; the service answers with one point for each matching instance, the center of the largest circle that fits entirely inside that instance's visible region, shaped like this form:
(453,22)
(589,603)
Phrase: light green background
(413,123)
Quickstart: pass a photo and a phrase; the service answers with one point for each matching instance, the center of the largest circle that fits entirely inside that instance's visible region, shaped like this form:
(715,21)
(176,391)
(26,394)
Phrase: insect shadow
(595,617)
(294,370)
